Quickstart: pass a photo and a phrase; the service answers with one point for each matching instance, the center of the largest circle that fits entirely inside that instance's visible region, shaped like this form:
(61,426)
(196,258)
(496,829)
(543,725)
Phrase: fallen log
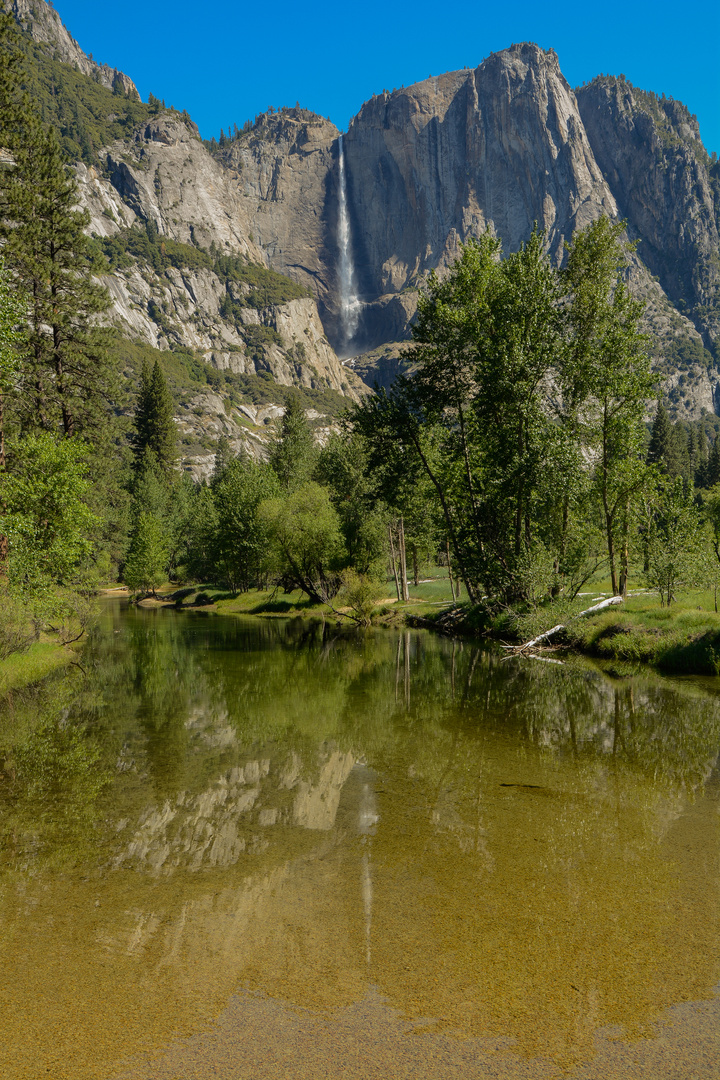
(515,650)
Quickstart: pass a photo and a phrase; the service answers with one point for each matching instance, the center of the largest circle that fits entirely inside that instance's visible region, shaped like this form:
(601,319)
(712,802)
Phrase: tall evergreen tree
(294,455)
(224,456)
(701,458)
(661,449)
(67,373)
(154,425)
(713,468)
(12,313)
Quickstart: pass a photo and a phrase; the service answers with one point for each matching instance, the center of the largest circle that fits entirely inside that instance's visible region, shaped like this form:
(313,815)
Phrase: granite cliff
(496,147)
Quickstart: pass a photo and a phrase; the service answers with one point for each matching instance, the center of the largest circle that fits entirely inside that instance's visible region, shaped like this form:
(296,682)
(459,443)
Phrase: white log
(543,637)
(611,602)
(598,607)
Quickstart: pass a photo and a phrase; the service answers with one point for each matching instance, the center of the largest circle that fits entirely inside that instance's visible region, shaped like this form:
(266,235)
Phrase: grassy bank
(429,597)
(40,660)
(681,639)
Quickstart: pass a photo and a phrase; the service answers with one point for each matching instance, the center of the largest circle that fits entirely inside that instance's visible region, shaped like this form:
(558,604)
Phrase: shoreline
(682,639)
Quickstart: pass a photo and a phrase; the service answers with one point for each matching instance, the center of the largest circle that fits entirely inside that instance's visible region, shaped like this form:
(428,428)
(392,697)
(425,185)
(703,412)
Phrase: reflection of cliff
(530,853)
(233,815)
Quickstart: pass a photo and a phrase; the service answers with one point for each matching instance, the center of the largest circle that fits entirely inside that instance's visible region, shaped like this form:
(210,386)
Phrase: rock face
(44,26)
(284,170)
(497,147)
(665,186)
(167,176)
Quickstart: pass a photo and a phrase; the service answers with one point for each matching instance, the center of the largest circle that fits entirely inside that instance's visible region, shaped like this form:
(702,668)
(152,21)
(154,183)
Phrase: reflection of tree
(52,780)
(528,870)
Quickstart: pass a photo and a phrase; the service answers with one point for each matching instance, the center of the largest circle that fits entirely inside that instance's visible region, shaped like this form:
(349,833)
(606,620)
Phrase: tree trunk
(403,561)
(624,569)
(394,563)
(611,546)
(449,565)
(448,519)
(416,579)
(608,515)
(471,486)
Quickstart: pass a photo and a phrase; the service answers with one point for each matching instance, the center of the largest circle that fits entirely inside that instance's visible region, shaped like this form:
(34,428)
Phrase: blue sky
(224,62)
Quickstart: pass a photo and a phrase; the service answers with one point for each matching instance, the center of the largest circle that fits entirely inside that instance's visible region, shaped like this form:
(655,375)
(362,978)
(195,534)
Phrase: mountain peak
(43,24)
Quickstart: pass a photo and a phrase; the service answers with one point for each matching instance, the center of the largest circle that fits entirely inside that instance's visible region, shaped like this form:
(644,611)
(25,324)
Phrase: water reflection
(499,850)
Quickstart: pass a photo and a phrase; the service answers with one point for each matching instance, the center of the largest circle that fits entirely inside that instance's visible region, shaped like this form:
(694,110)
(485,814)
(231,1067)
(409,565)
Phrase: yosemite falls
(349,302)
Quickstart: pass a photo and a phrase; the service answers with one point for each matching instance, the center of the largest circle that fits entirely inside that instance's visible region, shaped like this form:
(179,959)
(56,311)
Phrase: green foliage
(662,445)
(674,541)
(201,531)
(608,372)
(503,458)
(264,287)
(185,370)
(17,629)
(685,352)
(344,468)
(147,246)
(146,563)
(307,549)
(713,466)
(294,454)
(44,513)
(360,593)
(241,539)
(267,287)
(154,425)
(257,337)
(86,115)
(66,377)
(13,310)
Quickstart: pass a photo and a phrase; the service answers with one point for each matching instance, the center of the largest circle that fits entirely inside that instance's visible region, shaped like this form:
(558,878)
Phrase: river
(241,848)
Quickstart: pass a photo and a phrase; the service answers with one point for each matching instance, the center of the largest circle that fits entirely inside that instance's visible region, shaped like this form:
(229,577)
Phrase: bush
(360,593)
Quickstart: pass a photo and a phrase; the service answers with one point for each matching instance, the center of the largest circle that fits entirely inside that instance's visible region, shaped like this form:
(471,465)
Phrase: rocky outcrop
(665,185)
(166,175)
(497,147)
(43,24)
(283,167)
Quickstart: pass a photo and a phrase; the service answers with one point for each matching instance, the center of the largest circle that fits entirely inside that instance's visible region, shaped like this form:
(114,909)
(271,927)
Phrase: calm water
(246,849)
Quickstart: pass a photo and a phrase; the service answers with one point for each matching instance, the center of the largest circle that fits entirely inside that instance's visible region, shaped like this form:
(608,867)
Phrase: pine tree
(662,449)
(154,425)
(223,457)
(65,361)
(294,455)
(713,468)
(679,463)
(147,556)
(11,101)
(701,458)
(12,313)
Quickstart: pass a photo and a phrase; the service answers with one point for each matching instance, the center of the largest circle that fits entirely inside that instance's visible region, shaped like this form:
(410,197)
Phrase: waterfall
(349,303)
